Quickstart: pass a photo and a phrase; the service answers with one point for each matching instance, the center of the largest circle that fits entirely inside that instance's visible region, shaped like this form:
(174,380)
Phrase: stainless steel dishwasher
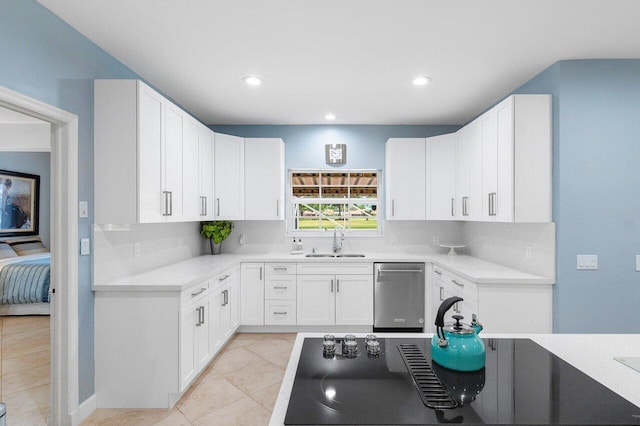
(398,297)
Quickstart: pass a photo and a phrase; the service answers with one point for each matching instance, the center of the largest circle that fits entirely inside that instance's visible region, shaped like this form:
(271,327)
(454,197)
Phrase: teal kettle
(457,346)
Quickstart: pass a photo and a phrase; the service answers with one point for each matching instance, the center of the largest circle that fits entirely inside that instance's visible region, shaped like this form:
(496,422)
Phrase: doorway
(64,404)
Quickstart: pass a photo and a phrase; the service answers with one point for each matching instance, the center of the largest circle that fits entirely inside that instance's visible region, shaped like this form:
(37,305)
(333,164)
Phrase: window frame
(349,201)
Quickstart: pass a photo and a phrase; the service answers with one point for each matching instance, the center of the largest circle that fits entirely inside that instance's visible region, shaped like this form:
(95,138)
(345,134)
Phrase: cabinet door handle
(453,213)
(217,206)
(226,297)
(280,313)
(331,286)
(280,287)
(170,203)
(435,271)
(206,205)
(337,286)
(441,294)
(393,208)
(203,206)
(457,283)
(165,209)
(277,208)
(224,278)
(261,273)
(465,200)
(456,307)
(200,311)
(198,292)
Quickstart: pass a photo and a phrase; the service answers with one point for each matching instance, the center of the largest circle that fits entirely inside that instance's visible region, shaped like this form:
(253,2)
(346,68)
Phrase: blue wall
(34,163)
(596,148)
(43,57)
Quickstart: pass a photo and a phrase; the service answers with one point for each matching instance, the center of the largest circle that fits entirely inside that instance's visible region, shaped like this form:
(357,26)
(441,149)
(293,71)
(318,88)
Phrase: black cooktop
(523,384)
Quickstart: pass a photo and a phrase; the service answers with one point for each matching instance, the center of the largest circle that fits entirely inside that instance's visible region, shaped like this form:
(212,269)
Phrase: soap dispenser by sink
(457,346)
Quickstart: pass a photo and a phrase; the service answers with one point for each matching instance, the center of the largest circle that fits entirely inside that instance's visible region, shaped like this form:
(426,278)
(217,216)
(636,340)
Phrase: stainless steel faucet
(337,246)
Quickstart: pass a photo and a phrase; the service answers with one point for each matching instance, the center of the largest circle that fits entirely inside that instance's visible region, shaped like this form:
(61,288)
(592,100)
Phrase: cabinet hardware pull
(453,200)
(226,297)
(331,286)
(200,311)
(224,278)
(206,205)
(278,208)
(261,273)
(457,283)
(456,307)
(337,286)
(280,287)
(441,294)
(198,292)
(203,208)
(165,210)
(170,203)
(393,208)
(465,211)
(279,313)
(217,206)
(437,272)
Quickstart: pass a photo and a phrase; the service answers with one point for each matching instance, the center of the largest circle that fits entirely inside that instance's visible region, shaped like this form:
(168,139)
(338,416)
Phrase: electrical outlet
(85,247)
(436,240)
(587,261)
(242,239)
(136,249)
(528,253)
(83,209)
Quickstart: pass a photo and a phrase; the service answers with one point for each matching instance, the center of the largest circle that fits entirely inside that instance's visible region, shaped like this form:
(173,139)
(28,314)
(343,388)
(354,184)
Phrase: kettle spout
(475,324)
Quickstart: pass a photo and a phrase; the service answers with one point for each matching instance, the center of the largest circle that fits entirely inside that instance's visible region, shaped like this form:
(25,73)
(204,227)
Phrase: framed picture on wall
(20,195)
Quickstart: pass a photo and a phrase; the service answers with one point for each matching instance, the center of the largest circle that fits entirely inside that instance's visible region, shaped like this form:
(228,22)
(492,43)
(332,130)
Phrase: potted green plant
(216,232)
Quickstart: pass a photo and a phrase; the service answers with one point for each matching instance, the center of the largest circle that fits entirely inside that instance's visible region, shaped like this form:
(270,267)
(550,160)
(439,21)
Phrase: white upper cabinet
(205,167)
(441,169)
(469,172)
(405,175)
(190,169)
(516,160)
(229,177)
(264,179)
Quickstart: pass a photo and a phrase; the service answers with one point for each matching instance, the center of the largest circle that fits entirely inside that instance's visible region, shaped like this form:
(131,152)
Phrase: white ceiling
(355,58)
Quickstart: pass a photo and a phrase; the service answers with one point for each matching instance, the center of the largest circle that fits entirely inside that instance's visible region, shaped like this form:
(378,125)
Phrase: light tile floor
(239,387)
(24,369)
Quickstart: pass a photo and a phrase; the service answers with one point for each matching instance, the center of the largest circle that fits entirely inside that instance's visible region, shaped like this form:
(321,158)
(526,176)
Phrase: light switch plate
(85,247)
(587,261)
(83,209)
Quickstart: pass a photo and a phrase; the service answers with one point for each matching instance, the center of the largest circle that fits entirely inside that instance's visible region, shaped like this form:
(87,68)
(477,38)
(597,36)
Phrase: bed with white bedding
(24,282)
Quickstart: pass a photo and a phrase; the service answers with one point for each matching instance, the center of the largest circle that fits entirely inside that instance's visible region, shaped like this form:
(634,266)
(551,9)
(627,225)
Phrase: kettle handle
(444,307)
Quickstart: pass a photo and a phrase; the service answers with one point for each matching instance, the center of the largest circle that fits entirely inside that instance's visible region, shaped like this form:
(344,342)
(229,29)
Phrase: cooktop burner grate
(431,391)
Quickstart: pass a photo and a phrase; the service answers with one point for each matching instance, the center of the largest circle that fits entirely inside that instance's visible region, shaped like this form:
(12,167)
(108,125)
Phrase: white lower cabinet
(151,345)
(500,307)
(335,299)
(252,293)
(280,294)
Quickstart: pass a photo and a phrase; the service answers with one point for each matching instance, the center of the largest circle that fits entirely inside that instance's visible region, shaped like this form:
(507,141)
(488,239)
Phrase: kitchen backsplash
(121,251)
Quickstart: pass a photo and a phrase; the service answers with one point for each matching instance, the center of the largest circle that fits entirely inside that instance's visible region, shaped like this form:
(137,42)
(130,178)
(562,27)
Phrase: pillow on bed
(30,245)
(6,251)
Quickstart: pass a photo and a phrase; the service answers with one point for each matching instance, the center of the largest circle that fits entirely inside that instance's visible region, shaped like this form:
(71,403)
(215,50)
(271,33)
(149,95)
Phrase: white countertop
(589,353)
(182,275)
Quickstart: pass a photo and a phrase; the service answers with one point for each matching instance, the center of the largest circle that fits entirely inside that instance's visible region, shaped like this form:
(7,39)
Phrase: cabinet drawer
(280,269)
(222,278)
(282,287)
(195,292)
(280,312)
(335,268)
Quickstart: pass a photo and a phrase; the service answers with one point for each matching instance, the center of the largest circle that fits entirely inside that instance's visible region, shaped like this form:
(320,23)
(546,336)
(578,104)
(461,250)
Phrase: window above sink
(323,200)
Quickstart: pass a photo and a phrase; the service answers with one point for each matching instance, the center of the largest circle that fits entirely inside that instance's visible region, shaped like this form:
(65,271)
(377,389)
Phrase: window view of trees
(328,199)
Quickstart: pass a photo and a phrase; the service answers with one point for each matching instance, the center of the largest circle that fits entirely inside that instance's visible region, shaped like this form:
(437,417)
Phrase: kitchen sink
(334,255)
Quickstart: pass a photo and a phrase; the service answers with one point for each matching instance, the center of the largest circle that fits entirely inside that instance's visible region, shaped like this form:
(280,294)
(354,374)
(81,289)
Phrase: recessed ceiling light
(330,116)
(421,81)
(252,80)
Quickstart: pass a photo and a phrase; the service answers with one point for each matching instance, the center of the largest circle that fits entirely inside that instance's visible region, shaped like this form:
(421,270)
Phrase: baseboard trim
(85,409)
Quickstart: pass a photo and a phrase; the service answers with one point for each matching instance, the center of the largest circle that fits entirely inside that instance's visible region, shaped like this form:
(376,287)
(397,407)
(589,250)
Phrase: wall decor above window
(335,153)
(20,195)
